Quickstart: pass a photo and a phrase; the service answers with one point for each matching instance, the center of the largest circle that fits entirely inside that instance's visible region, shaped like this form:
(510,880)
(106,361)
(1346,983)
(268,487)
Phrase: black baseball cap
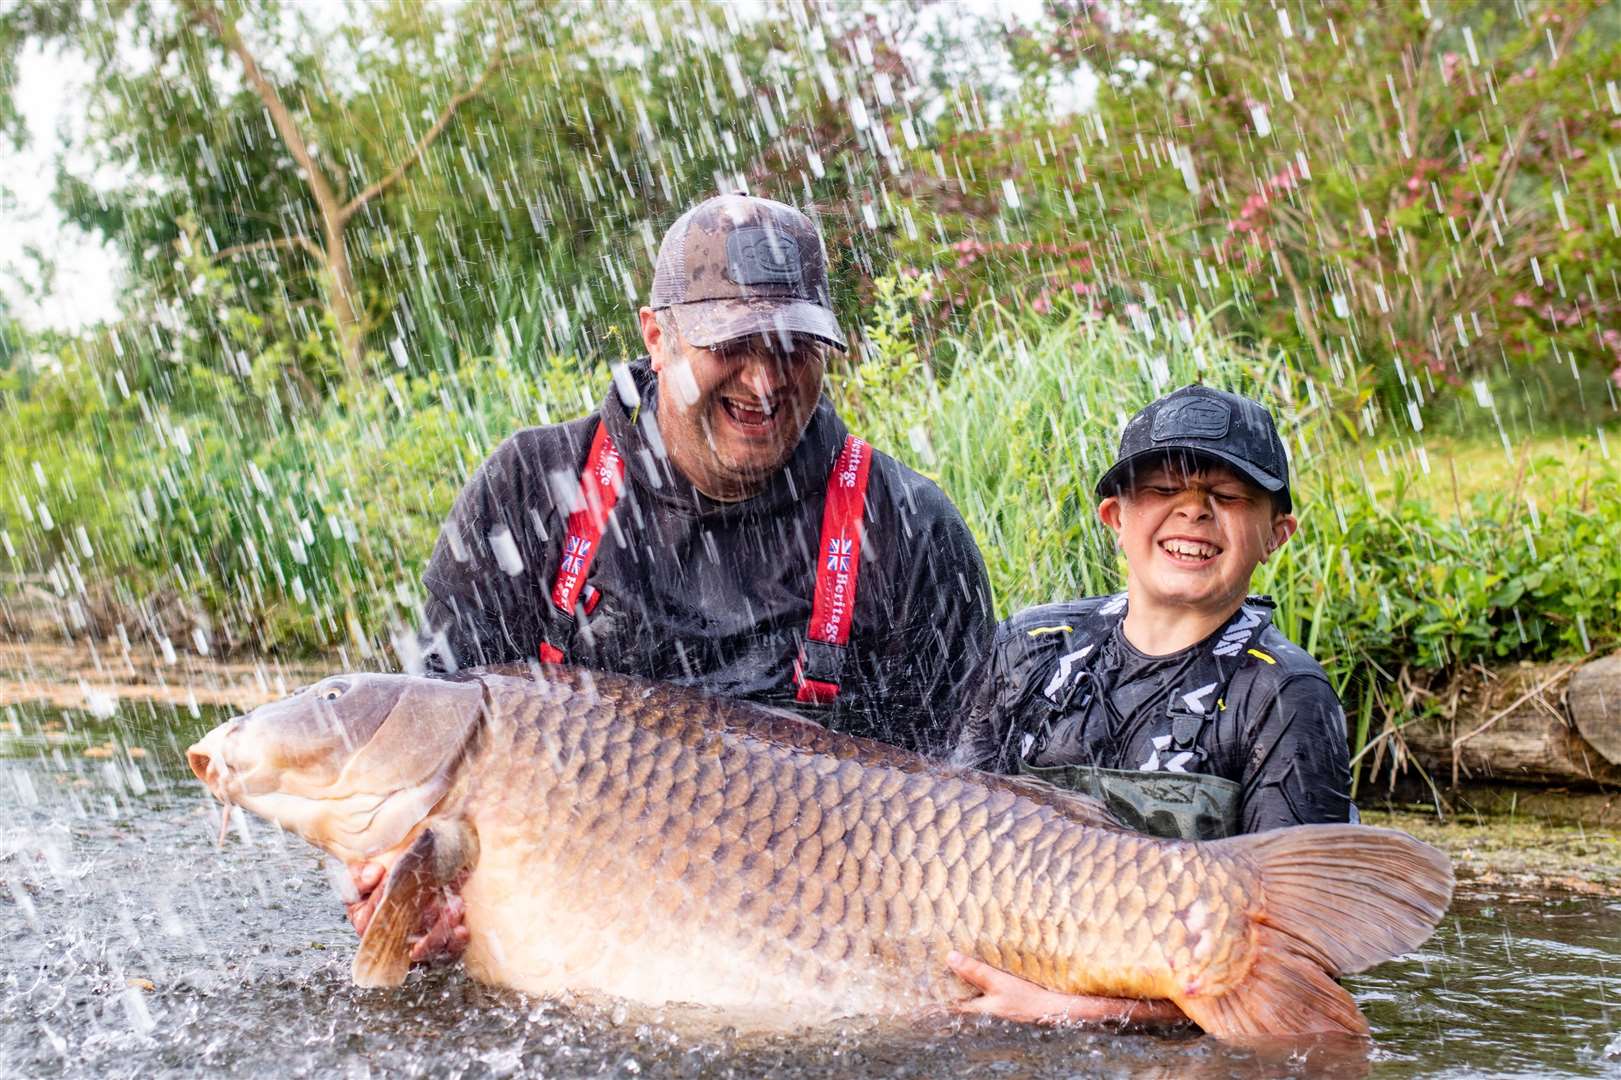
(1205,423)
(736,265)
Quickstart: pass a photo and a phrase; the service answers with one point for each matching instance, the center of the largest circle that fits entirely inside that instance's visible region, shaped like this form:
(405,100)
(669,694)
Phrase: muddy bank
(1528,725)
(1520,854)
(95,678)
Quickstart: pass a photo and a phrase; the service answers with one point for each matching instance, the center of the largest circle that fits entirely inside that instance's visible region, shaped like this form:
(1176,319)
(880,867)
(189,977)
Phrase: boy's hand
(442,933)
(1012,998)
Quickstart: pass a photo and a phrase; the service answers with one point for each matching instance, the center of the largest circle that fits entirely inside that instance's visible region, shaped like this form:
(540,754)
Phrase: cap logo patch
(758,256)
(1192,418)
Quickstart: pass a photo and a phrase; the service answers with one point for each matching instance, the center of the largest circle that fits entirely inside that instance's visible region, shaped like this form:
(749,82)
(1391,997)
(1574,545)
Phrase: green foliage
(1403,201)
(1406,196)
(567,143)
(270,535)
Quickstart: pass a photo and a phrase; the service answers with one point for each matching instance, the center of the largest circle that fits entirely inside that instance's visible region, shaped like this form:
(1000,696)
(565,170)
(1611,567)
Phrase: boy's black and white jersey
(1062,686)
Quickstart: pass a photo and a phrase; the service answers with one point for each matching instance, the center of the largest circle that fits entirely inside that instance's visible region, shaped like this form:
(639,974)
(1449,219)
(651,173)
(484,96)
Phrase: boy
(1177,702)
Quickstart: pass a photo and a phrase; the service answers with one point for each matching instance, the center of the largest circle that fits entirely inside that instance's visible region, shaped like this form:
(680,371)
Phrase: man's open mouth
(751,414)
(1192,552)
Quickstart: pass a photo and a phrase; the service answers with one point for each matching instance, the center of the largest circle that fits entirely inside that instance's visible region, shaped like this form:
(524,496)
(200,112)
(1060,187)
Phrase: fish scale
(865,829)
(660,844)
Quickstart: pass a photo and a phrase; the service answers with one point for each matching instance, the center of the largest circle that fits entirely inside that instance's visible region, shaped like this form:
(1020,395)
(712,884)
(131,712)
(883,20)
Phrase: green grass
(1454,469)
(1029,420)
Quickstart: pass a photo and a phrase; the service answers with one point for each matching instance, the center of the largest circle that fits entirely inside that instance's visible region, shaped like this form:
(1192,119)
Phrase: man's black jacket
(713,594)
(1279,732)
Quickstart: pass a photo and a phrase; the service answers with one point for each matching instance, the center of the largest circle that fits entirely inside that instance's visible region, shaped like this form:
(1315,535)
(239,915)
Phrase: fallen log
(1594,698)
(1517,726)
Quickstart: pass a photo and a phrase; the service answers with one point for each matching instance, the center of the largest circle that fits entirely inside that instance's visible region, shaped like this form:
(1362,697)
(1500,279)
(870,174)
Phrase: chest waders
(1172,806)
(1162,798)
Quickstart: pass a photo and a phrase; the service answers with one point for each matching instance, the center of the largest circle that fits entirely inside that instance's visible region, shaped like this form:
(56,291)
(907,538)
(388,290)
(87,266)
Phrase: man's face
(1193,534)
(731,415)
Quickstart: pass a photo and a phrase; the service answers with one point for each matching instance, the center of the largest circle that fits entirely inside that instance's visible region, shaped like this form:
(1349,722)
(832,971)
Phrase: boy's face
(1193,534)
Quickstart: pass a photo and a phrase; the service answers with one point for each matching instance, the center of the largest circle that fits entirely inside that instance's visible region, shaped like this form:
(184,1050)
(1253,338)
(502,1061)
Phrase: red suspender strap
(821,658)
(600,485)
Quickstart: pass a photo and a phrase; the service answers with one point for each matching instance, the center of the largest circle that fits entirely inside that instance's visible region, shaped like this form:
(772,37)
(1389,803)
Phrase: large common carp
(663,845)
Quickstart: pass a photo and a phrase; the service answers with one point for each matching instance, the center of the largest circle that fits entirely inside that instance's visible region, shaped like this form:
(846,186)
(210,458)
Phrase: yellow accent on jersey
(1063,628)
(1262,655)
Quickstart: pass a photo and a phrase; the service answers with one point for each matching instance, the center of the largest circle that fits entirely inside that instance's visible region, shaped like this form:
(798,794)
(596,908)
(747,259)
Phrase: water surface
(130,945)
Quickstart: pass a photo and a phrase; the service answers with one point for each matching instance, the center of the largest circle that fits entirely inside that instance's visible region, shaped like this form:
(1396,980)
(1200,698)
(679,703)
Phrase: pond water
(130,945)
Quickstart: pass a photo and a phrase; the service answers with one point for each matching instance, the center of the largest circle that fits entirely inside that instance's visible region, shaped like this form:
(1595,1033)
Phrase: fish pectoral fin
(432,861)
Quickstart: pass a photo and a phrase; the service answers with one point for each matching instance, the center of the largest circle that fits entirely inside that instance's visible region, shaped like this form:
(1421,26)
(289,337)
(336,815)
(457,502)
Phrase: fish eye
(332,691)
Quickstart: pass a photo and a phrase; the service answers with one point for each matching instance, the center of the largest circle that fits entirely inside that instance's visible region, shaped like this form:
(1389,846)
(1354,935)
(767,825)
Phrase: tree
(412,180)
(1398,195)
(333,210)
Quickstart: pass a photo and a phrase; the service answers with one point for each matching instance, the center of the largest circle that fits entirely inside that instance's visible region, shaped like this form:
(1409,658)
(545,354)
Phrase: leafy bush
(1404,196)
(237,527)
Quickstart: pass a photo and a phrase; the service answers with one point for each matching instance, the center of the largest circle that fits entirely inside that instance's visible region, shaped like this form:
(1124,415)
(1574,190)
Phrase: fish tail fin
(1336,899)
(1286,992)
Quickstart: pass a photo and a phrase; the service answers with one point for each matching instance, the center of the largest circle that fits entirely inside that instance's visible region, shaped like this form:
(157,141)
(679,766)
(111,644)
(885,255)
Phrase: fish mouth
(1190,551)
(339,820)
(208,764)
(207,759)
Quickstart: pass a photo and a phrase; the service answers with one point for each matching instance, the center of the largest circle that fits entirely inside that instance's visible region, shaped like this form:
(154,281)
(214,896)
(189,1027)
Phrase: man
(713,523)
(1176,702)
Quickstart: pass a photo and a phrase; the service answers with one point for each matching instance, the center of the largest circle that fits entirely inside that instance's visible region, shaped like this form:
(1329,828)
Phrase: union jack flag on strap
(574,553)
(838,554)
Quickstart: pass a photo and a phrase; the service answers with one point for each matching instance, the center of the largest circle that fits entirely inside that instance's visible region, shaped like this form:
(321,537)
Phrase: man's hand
(1012,998)
(442,933)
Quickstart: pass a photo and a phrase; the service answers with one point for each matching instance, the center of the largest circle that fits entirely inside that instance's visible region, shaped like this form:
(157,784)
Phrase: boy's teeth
(1190,549)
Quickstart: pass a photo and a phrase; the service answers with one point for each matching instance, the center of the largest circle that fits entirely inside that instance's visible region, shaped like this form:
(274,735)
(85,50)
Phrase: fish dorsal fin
(435,858)
(1083,809)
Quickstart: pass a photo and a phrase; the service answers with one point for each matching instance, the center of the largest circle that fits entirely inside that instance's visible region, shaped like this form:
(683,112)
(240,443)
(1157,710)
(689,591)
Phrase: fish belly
(544,925)
(667,849)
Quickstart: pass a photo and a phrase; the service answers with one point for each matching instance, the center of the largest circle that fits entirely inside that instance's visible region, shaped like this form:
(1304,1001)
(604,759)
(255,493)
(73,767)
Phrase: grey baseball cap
(736,265)
(1204,423)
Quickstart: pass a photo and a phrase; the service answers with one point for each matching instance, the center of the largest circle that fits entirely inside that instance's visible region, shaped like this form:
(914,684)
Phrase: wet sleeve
(483,578)
(942,627)
(980,736)
(1299,768)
